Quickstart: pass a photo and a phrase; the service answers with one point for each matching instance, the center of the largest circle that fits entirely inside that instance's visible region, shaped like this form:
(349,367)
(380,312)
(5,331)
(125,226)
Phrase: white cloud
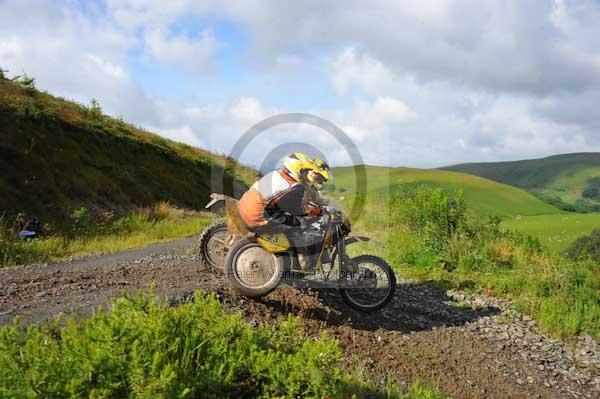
(247,110)
(349,68)
(495,45)
(190,54)
(440,123)
(430,84)
(111,70)
(383,112)
(185,134)
(10,48)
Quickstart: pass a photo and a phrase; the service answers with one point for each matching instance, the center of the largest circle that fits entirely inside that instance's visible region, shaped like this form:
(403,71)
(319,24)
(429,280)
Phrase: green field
(556,232)
(483,196)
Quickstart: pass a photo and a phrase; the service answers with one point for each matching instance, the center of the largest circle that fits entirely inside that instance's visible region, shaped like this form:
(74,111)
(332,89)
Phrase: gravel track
(471,346)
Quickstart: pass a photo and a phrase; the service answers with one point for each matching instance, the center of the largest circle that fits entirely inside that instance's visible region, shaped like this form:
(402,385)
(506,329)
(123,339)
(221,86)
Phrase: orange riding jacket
(276,191)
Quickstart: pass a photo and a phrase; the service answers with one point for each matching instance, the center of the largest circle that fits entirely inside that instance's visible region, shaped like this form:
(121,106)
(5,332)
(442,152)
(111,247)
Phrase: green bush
(586,247)
(36,112)
(592,190)
(584,205)
(431,213)
(26,81)
(440,221)
(83,223)
(144,348)
(132,222)
(591,193)
(95,115)
(119,126)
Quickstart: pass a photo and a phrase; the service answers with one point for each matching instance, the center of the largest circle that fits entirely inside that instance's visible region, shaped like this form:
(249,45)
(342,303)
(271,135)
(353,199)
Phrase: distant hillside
(569,179)
(56,155)
(484,196)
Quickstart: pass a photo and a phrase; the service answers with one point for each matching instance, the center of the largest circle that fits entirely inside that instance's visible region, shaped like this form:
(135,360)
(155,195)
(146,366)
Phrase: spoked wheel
(369,283)
(214,244)
(251,269)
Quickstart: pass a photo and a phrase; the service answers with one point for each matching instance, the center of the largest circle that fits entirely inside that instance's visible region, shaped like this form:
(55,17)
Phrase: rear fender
(215,205)
(217,202)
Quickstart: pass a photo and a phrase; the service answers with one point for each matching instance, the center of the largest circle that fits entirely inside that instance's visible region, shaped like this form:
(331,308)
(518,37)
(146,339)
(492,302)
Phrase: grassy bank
(88,235)
(146,349)
(431,234)
(57,155)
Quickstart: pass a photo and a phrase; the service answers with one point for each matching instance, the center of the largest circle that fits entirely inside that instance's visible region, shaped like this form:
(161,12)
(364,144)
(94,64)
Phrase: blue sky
(234,72)
(430,84)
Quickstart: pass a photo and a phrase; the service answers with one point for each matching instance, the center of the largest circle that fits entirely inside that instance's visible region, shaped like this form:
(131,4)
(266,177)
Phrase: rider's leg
(307,239)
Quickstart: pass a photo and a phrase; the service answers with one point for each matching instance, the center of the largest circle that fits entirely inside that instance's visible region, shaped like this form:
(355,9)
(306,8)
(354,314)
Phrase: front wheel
(369,284)
(252,270)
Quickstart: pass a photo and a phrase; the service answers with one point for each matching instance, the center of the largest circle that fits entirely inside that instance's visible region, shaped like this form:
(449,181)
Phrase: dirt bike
(255,264)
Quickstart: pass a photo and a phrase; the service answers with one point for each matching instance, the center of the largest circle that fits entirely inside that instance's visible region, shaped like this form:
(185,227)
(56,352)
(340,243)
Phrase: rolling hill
(57,155)
(571,181)
(482,195)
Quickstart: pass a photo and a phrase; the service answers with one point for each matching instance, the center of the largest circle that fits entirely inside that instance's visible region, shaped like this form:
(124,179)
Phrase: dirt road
(470,346)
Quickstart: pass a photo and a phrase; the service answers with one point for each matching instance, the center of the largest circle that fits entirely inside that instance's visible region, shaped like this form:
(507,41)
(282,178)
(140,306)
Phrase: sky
(421,84)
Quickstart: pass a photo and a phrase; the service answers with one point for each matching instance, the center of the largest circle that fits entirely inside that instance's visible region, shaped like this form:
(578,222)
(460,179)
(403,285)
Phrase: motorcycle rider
(288,200)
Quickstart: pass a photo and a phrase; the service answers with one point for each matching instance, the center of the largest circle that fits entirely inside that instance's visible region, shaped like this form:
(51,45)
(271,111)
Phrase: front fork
(341,255)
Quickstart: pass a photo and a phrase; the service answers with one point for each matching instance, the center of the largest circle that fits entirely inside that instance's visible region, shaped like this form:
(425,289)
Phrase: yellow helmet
(298,162)
(324,169)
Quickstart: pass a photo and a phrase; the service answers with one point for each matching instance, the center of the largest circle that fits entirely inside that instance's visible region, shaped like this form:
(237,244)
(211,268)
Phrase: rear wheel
(214,244)
(252,270)
(369,283)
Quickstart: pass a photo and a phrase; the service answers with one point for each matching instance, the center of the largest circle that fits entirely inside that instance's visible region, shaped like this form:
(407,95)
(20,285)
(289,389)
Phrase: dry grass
(164,210)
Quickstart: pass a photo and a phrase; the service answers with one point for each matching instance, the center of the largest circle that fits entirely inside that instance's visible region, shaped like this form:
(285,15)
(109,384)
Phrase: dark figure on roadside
(33,229)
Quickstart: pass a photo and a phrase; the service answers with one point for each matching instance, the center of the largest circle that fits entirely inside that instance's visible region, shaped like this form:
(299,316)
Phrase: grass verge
(89,236)
(145,349)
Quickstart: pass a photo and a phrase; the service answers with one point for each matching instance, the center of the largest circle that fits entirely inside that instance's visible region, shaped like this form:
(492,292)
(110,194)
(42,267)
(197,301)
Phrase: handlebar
(337,217)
